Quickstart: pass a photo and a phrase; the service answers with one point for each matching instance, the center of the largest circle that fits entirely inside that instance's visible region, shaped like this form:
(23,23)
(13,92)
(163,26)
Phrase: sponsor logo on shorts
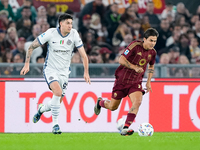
(51,78)
(139,86)
(115,94)
(64,85)
(126,52)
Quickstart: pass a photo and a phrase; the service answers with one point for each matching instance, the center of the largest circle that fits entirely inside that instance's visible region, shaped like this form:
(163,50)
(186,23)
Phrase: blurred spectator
(89,41)
(182,71)
(198,11)
(174,39)
(197,29)
(127,40)
(185,28)
(41,12)
(4,5)
(105,54)
(119,34)
(25,31)
(128,17)
(134,6)
(26,14)
(164,33)
(36,31)
(90,8)
(182,11)
(136,30)
(12,38)
(95,57)
(112,60)
(41,21)
(18,58)
(3,43)
(76,58)
(164,59)
(193,20)
(112,20)
(145,23)
(191,34)
(174,53)
(96,25)
(12,23)
(20,48)
(168,11)
(153,18)
(4,19)
(33,12)
(52,15)
(38,70)
(194,49)
(86,27)
(6,58)
(184,46)
(44,27)
(180,20)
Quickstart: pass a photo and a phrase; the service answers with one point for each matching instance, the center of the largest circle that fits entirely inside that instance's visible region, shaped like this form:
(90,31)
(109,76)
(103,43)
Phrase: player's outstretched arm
(149,76)
(85,64)
(124,62)
(34,45)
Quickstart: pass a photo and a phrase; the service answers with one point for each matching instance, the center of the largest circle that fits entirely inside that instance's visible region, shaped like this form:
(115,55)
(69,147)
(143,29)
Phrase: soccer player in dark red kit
(129,74)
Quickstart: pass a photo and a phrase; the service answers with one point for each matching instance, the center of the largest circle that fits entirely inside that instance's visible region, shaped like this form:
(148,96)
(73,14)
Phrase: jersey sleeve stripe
(39,41)
(131,46)
(79,46)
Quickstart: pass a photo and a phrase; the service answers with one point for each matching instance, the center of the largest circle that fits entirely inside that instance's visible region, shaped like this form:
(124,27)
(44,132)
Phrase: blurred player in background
(129,74)
(56,68)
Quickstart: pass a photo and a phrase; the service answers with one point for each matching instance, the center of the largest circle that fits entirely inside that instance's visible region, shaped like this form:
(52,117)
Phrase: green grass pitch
(100,141)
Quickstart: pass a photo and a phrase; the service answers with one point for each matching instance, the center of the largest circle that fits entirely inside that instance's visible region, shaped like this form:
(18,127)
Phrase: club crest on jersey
(149,56)
(69,42)
(126,52)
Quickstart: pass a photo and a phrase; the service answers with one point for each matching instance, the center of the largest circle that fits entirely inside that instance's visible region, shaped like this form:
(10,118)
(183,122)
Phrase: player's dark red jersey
(137,55)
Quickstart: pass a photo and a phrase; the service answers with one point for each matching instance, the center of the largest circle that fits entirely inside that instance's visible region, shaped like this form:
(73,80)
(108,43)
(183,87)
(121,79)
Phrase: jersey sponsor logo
(42,34)
(61,42)
(139,53)
(69,42)
(126,52)
(60,51)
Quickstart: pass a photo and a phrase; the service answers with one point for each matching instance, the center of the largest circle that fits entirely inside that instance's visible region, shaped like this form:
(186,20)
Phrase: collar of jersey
(60,33)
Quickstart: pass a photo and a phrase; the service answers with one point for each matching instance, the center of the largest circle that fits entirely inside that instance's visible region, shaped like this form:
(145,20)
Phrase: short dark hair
(39,57)
(64,17)
(151,32)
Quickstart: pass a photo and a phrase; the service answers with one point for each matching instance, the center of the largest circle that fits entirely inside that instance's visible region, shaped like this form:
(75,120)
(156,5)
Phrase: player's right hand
(25,69)
(139,69)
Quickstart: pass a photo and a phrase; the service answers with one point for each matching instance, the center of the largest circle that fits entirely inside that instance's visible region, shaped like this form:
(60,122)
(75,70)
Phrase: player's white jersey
(59,48)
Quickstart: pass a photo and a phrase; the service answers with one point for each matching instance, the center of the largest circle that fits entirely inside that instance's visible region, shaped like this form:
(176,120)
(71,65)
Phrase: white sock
(46,108)
(55,108)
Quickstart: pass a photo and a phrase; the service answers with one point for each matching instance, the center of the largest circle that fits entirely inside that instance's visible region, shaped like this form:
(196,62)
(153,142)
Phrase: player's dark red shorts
(121,90)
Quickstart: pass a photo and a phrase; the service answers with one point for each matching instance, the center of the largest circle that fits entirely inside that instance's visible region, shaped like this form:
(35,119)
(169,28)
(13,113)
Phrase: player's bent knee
(112,108)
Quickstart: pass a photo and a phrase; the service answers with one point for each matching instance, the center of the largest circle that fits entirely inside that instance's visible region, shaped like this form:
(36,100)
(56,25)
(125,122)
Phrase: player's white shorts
(52,75)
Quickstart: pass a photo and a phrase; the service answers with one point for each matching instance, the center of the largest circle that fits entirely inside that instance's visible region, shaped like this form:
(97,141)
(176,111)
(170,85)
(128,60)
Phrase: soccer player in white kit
(61,42)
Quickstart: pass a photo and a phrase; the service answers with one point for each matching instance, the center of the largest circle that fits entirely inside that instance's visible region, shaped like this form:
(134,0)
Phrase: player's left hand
(148,87)
(87,78)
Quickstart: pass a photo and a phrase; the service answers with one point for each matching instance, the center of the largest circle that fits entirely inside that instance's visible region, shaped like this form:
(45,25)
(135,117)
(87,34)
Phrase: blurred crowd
(105,32)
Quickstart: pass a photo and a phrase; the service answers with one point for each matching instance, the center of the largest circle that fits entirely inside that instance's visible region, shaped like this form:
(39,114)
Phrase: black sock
(125,127)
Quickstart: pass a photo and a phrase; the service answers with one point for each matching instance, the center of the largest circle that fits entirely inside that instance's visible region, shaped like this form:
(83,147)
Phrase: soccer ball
(145,129)
(120,123)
